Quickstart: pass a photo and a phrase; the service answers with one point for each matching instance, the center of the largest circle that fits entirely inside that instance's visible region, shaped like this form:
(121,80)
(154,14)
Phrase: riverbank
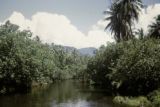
(132,101)
(69,93)
(151,100)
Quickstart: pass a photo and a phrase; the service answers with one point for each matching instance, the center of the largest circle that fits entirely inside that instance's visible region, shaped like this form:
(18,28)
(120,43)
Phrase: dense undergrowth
(129,68)
(26,61)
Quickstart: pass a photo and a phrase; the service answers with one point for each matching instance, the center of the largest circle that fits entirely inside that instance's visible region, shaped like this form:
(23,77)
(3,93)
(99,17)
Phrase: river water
(68,93)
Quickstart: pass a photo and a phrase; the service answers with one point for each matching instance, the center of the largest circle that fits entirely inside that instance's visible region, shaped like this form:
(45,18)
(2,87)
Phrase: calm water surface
(61,94)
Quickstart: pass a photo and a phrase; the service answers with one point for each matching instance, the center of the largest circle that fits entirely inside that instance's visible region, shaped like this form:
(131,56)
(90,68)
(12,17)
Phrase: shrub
(130,68)
(154,97)
(25,61)
(132,101)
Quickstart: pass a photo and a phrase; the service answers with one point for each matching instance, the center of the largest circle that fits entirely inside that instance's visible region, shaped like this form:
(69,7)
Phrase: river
(68,93)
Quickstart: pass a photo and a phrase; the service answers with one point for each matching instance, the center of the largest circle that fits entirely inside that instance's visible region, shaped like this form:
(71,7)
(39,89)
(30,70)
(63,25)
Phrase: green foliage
(122,16)
(140,33)
(154,97)
(99,67)
(132,101)
(25,61)
(130,68)
(155,28)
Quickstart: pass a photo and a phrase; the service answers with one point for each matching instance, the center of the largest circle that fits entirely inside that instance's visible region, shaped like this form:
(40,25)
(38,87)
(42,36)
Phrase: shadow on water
(68,93)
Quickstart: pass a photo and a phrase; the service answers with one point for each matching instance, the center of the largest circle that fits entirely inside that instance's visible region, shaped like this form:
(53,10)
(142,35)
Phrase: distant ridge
(87,51)
(90,51)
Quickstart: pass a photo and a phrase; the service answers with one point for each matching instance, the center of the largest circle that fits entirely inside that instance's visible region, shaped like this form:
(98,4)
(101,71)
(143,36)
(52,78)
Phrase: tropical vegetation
(26,61)
(130,66)
(122,16)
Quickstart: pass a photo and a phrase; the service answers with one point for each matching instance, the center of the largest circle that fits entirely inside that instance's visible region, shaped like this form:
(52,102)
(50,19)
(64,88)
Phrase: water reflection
(61,94)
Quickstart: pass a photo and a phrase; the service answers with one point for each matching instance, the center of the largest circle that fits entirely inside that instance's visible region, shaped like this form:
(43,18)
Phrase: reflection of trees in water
(73,91)
(63,93)
(67,91)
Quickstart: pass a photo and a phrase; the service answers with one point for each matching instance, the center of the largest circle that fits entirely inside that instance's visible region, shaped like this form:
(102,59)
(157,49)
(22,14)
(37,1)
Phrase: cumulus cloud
(58,29)
(98,36)
(147,16)
(19,19)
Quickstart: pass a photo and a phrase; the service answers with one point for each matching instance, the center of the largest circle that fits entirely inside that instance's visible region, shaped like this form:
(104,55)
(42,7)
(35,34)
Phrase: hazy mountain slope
(87,51)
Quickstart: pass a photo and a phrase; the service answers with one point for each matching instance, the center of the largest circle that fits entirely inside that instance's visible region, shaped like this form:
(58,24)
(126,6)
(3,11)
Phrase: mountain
(87,51)
(69,48)
(84,51)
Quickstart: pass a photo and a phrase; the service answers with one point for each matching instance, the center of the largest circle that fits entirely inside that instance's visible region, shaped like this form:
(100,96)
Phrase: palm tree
(129,10)
(114,22)
(155,28)
(123,13)
(140,33)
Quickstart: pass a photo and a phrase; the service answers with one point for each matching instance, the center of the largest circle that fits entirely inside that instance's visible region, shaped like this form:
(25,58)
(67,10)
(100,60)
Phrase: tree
(140,33)
(155,28)
(123,13)
(129,68)
(114,22)
(26,61)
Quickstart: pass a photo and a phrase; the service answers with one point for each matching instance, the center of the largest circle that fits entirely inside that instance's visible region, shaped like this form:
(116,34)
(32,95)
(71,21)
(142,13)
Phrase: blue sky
(82,13)
(75,23)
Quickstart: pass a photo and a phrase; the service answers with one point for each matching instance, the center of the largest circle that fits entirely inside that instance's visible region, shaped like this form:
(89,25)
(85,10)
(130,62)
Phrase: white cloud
(147,16)
(19,19)
(97,35)
(59,30)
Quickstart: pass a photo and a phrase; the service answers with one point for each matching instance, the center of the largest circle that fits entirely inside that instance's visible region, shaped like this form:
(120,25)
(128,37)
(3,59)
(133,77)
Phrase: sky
(77,23)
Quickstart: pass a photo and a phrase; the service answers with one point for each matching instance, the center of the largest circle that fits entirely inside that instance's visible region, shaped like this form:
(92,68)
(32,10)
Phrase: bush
(132,101)
(138,68)
(25,61)
(130,68)
(154,97)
